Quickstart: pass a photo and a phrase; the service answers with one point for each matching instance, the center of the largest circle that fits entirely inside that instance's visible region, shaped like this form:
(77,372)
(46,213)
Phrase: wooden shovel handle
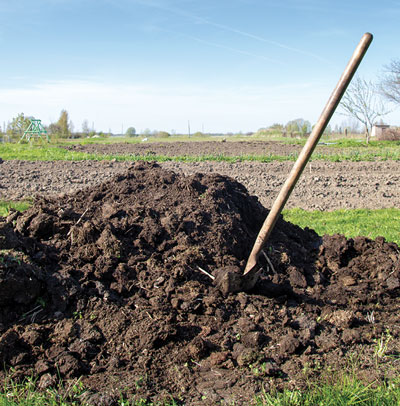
(307,150)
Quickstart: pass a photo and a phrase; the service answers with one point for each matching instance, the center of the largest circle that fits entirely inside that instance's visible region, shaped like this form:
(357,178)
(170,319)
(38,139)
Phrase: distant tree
(276,126)
(328,130)
(299,125)
(54,130)
(130,132)
(351,125)
(85,128)
(146,132)
(18,125)
(304,128)
(362,102)
(64,124)
(390,82)
(162,134)
(63,127)
(337,129)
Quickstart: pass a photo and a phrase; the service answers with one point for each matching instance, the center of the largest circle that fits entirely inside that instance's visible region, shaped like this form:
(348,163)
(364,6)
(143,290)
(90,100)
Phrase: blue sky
(234,65)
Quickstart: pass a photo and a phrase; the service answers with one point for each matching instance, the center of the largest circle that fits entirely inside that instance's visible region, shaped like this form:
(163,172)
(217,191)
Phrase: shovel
(230,280)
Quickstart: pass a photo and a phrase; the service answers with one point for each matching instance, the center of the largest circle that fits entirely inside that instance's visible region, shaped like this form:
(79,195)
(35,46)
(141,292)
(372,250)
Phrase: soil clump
(107,284)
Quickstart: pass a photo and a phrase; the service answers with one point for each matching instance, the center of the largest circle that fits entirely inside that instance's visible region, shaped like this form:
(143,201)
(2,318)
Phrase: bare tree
(390,83)
(362,101)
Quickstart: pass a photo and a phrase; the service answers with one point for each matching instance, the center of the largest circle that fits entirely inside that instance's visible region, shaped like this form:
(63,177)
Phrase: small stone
(288,345)
(217,358)
(341,318)
(307,326)
(246,357)
(296,278)
(246,325)
(229,280)
(175,303)
(348,281)
(393,282)
(41,366)
(351,336)
(46,381)
(253,339)
(198,348)
(270,369)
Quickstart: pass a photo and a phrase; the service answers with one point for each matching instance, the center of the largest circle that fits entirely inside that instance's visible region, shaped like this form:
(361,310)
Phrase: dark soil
(107,284)
(201,148)
(322,186)
(198,148)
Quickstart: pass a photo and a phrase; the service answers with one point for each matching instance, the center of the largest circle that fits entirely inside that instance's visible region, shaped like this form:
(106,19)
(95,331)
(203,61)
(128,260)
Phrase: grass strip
(351,223)
(347,391)
(28,152)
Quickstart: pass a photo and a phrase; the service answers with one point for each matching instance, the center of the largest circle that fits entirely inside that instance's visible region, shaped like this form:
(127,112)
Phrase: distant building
(378,130)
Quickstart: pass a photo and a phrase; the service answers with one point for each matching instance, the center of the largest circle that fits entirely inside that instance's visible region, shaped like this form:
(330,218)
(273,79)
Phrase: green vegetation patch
(6,205)
(351,223)
(36,152)
(345,392)
(348,391)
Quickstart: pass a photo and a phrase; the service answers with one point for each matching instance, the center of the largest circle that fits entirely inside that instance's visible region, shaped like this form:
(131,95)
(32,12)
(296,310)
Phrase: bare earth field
(323,185)
(196,148)
(234,148)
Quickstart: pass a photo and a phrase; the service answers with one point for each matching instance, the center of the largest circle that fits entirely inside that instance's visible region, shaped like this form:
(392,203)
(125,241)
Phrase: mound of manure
(107,284)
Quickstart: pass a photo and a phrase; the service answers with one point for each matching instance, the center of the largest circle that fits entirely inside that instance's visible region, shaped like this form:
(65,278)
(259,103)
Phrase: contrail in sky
(239,51)
(158,5)
(261,39)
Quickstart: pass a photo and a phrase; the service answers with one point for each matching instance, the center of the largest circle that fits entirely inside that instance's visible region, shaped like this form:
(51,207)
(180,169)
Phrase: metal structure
(35,130)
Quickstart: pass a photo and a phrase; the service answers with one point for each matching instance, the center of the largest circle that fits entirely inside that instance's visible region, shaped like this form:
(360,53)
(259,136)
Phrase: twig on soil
(217,373)
(79,220)
(33,311)
(205,272)
(33,317)
(269,261)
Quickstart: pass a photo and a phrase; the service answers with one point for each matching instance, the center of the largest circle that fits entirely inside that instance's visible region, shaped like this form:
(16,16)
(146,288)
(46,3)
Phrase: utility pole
(189,128)
(122,130)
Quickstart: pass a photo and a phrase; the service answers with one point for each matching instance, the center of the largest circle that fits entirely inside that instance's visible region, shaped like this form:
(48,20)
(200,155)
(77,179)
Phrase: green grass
(351,223)
(5,206)
(73,393)
(351,151)
(348,391)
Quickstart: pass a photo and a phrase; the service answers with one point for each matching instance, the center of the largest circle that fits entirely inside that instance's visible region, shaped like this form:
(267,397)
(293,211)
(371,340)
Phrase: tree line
(62,128)
(364,101)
